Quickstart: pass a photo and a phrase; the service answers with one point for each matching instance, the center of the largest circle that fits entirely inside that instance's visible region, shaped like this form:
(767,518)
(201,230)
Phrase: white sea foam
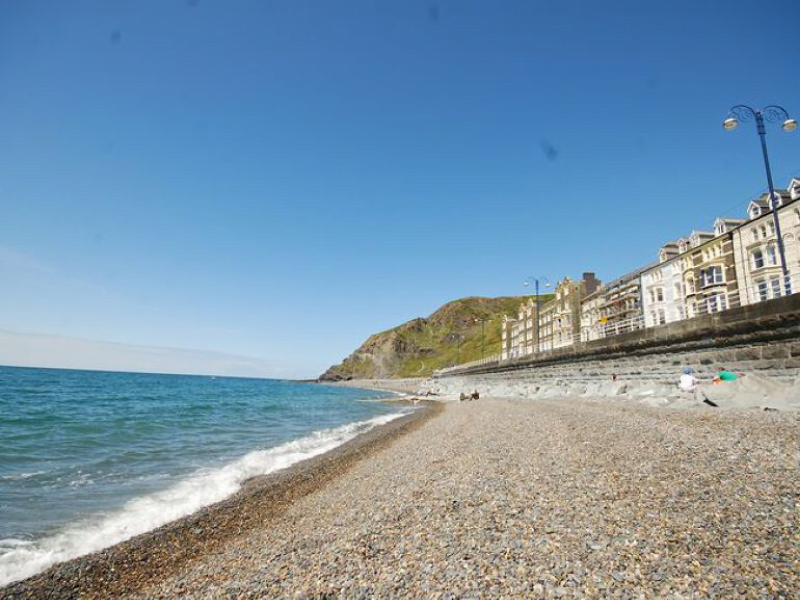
(22,558)
(21,476)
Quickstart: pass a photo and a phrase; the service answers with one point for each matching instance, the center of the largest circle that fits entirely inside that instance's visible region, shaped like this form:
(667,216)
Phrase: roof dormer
(756,208)
(683,245)
(794,188)
(722,225)
(700,237)
(668,250)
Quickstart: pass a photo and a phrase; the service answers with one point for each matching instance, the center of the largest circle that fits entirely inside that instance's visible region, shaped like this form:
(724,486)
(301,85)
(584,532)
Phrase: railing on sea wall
(705,301)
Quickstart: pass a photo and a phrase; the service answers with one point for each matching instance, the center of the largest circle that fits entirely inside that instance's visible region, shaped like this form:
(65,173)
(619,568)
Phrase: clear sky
(278,180)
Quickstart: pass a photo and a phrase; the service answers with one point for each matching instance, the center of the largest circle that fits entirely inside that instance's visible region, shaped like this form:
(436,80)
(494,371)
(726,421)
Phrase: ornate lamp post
(535,281)
(482,322)
(773,114)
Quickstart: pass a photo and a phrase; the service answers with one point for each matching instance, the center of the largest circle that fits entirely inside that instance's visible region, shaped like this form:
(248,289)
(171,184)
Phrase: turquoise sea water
(88,459)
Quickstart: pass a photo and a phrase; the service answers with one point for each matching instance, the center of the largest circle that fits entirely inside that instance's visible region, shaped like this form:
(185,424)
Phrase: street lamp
(457,338)
(744,113)
(482,321)
(535,281)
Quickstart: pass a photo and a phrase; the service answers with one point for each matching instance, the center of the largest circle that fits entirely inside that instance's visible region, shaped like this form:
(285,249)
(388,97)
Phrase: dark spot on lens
(550,151)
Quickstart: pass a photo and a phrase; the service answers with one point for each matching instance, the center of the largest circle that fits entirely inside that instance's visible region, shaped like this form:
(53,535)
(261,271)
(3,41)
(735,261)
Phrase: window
(754,233)
(690,286)
(755,212)
(763,293)
(716,302)
(758,259)
(771,228)
(662,317)
(764,231)
(660,294)
(678,291)
(775,284)
(711,275)
(771,258)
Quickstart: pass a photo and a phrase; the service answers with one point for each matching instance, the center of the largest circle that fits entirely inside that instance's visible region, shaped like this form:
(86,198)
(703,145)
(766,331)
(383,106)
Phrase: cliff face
(453,334)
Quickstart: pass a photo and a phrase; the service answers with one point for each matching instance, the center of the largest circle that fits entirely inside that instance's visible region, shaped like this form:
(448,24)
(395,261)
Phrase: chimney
(590,283)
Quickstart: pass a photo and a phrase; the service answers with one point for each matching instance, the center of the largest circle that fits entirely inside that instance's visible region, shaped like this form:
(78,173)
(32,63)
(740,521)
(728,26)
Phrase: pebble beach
(495,498)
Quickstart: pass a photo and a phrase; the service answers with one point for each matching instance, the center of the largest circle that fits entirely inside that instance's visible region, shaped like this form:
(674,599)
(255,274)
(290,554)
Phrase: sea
(89,459)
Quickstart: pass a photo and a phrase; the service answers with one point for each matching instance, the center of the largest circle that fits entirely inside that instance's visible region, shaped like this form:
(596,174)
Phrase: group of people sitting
(473,396)
(688,382)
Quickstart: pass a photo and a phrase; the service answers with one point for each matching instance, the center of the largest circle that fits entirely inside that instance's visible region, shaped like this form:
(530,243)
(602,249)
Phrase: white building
(756,253)
(663,296)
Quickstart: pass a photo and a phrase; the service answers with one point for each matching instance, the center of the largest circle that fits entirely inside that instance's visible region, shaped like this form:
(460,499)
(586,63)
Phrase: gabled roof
(700,237)
(668,251)
(729,222)
(783,194)
(763,203)
(727,225)
(794,188)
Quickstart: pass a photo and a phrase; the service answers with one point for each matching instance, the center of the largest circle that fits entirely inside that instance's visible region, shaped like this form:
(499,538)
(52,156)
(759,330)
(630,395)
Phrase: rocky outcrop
(459,331)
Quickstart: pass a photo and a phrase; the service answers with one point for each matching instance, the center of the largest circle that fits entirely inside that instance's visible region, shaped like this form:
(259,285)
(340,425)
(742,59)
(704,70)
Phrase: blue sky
(279,180)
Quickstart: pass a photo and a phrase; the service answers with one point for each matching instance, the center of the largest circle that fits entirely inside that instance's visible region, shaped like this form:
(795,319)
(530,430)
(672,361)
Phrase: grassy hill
(449,336)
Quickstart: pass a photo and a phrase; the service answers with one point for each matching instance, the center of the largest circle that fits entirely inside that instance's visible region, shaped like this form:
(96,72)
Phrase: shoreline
(508,498)
(399,386)
(119,569)
(498,498)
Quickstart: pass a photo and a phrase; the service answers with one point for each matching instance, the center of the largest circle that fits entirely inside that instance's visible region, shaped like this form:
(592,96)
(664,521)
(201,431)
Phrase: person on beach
(475,395)
(688,382)
(725,375)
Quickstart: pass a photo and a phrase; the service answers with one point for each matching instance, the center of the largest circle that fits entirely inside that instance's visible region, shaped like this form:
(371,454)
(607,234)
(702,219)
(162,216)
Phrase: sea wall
(761,339)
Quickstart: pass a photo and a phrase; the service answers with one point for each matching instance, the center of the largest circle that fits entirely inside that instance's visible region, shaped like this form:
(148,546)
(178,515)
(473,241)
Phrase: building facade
(707,272)
(663,297)
(558,323)
(710,279)
(756,252)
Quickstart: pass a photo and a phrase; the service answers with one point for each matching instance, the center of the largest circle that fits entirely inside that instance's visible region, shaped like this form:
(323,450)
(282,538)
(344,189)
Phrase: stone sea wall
(761,340)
